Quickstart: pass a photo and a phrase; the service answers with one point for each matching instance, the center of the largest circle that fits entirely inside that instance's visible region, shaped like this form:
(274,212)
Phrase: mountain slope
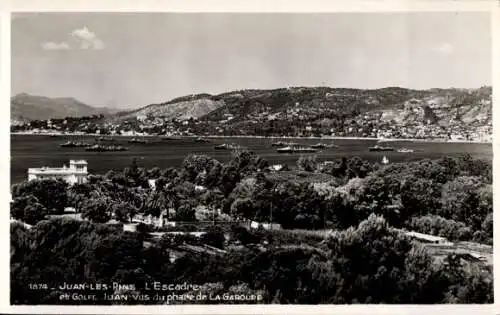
(181,108)
(310,102)
(30,107)
(441,107)
(315,104)
(247,103)
(314,111)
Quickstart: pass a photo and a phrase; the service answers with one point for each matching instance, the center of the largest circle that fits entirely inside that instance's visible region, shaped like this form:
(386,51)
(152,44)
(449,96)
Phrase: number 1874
(38,286)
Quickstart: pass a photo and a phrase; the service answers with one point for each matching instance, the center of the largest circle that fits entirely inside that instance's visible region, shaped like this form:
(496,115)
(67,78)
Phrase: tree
(123,211)
(487,225)
(185,212)
(357,167)
(247,162)
(136,176)
(170,174)
(475,167)
(34,213)
(485,196)
(52,194)
(243,208)
(230,176)
(18,204)
(97,210)
(450,166)
(212,199)
(436,225)
(27,209)
(460,200)
(116,252)
(214,176)
(110,175)
(78,193)
(429,169)
(154,172)
(195,165)
(172,200)
(373,195)
(419,196)
(336,168)
(341,212)
(161,183)
(377,265)
(155,203)
(307,163)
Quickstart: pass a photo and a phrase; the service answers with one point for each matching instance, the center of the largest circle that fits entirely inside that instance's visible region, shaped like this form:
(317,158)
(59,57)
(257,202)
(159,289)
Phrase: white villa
(76,173)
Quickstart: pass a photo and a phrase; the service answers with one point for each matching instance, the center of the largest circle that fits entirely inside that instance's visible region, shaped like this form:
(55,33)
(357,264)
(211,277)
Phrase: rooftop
(425,236)
(54,170)
(78,162)
(59,170)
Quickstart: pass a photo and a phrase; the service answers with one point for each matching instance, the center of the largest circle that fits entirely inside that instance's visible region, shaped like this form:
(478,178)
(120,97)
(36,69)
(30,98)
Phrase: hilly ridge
(391,112)
(327,101)
(30,107)
(180,108)
(242,103)
(320,103)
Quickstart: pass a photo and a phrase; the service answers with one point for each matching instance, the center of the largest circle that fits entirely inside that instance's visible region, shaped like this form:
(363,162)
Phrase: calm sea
(36,151)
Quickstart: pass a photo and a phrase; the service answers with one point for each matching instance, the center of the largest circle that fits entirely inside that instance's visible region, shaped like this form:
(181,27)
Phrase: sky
(128,60)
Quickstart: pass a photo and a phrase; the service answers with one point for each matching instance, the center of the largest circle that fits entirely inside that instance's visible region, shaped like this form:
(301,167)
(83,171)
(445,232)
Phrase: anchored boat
(135,140)
(71,144)
(201,140)
(291,149)
(105,148)
(105,139)
(283,144)
(226,146)
(379,148)
(319,146)
(405,150)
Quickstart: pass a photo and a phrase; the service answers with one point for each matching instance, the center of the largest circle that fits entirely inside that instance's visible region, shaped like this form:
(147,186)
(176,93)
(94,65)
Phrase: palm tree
(172,199)
(159,200)
(139,198)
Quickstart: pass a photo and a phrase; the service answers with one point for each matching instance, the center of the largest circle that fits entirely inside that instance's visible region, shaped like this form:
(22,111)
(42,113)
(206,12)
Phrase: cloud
(81,38)
(55,46)
(87,39)
(444,48)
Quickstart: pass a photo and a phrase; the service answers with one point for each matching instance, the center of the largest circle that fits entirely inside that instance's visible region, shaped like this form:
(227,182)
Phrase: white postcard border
(233,6)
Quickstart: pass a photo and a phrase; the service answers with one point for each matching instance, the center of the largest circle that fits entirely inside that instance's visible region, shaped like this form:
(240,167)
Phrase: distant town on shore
(392,113)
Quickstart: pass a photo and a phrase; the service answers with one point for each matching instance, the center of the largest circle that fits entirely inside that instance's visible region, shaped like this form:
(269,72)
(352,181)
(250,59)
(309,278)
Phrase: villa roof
(46,170)
(54,170)
(78,161)
(428,237)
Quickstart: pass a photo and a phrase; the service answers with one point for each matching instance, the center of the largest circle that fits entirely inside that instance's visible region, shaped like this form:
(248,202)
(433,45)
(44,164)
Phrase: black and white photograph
(167,158)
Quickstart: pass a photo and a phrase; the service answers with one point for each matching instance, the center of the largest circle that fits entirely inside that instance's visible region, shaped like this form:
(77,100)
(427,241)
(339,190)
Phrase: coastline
(260,137)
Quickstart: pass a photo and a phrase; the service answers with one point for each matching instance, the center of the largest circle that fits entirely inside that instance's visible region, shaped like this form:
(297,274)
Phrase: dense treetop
(360,201)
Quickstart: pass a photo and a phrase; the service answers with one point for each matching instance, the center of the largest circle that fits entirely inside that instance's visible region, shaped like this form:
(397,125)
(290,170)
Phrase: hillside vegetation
(323,110)
(393,112)
(346,102)
(183,108)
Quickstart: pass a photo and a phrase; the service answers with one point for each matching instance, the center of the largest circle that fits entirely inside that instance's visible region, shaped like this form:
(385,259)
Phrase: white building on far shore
(76,173)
